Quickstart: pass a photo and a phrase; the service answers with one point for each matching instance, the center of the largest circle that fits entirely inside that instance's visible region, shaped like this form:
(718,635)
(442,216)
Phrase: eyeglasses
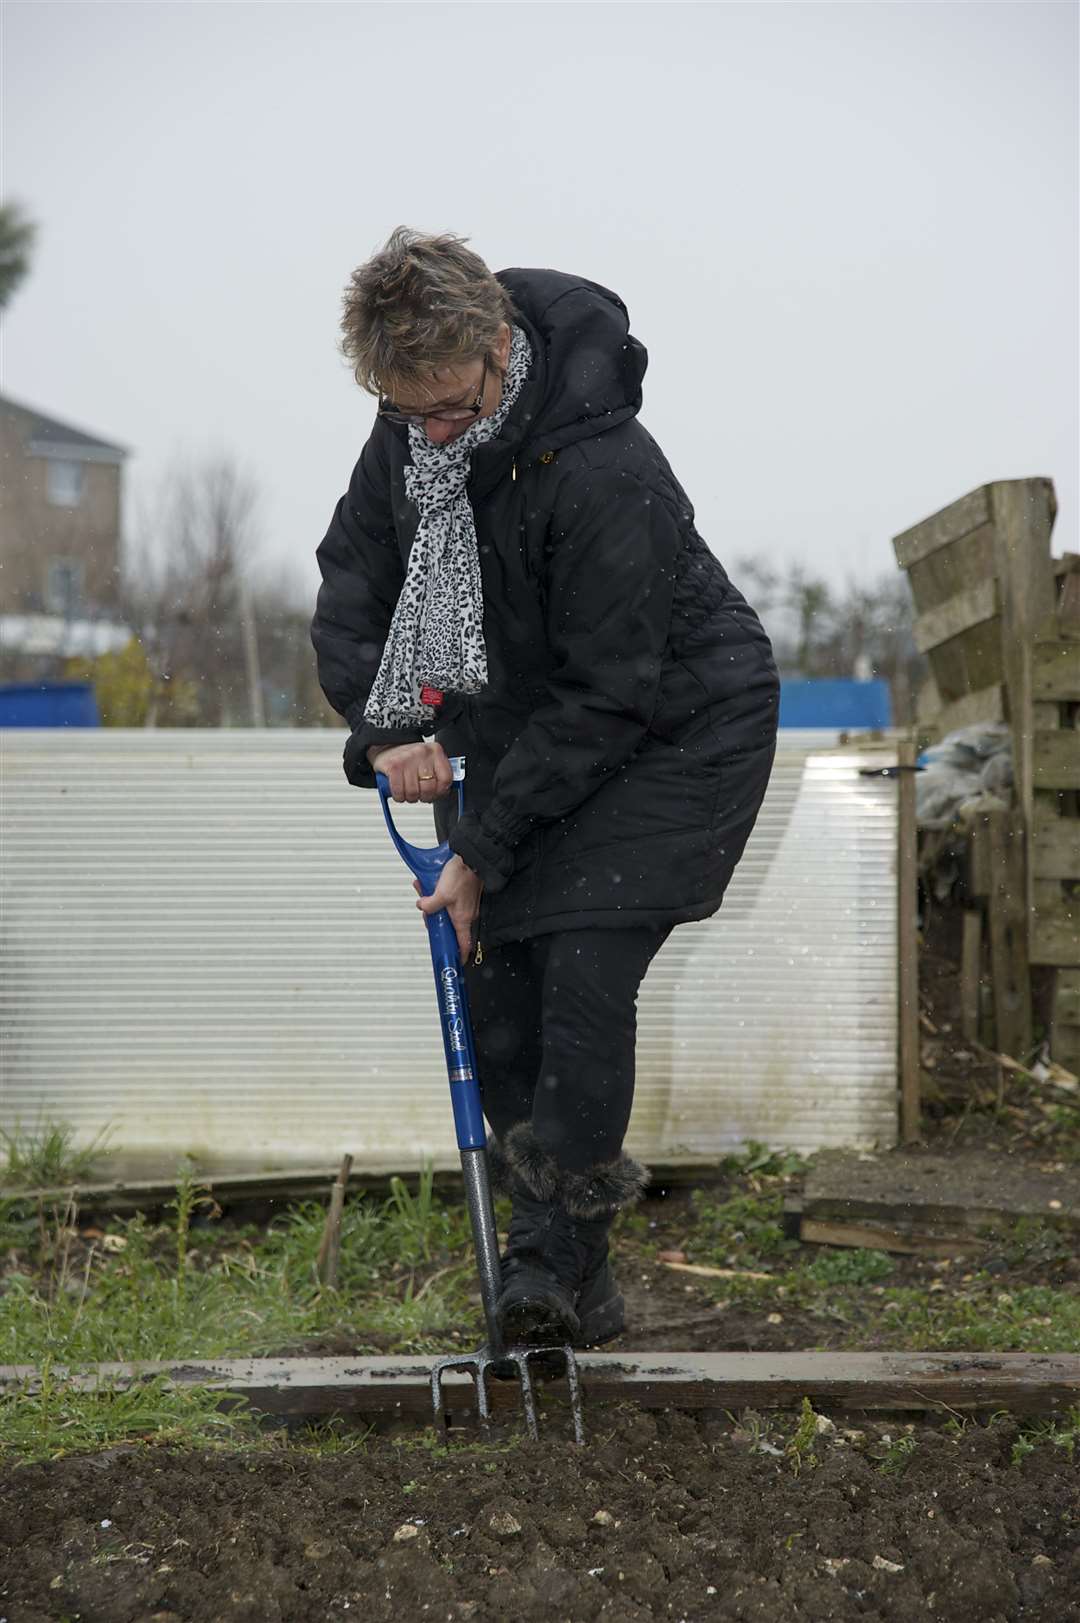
(447,414)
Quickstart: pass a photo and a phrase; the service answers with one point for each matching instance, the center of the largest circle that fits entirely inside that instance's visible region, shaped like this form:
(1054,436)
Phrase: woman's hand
(458,891)
(408,767)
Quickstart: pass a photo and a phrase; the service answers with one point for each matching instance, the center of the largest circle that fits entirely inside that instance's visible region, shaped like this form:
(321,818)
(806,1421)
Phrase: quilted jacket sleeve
(362,575)
(609,590)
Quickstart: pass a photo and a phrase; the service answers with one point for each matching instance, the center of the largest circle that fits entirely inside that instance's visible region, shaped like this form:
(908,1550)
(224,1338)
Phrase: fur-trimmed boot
(558,1284)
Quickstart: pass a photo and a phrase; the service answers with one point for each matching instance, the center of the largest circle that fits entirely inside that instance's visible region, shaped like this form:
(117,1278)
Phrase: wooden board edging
(1024,1382)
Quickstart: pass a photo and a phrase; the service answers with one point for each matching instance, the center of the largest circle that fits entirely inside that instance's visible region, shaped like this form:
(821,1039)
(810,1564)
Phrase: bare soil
(661,1517)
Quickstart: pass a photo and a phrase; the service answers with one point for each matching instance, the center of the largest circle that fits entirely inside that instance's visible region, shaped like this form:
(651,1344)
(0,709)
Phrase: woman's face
(456,386)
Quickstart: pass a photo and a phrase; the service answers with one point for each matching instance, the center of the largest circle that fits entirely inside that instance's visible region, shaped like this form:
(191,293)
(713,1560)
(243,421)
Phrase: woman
(515,570)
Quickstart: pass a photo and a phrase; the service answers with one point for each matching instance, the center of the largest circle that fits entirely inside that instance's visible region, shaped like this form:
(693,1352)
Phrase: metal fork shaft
(474,1167)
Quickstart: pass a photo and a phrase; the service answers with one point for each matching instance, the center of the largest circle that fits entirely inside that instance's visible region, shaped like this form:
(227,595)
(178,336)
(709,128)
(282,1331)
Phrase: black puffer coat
(617,760)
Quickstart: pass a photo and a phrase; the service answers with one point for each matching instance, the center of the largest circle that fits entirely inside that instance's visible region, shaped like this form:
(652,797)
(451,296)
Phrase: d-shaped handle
(426,862)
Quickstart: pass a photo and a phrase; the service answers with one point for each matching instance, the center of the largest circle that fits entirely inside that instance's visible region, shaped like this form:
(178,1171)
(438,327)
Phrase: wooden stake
(330,1245)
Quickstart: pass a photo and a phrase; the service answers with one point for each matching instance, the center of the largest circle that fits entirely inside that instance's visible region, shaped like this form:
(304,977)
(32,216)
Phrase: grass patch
(171,1291)
(47,1156)
(55,1418)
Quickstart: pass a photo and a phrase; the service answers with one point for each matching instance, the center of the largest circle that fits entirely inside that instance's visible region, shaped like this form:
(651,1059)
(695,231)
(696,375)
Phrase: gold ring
(423,775)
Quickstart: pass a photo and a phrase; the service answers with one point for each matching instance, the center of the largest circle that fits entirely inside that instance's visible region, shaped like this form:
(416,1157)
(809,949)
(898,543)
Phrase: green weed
(1062,1433)
(47,1155)
(759,1159)
(800,1447)
(854,1267)
(1031,1240)
(336,1436)
(894,1456)
(742,1231)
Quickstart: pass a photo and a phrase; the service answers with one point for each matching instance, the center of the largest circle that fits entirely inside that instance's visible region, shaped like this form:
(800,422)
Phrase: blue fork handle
(427,863)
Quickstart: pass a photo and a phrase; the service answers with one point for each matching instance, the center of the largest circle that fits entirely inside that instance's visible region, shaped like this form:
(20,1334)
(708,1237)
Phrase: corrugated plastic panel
(208,942)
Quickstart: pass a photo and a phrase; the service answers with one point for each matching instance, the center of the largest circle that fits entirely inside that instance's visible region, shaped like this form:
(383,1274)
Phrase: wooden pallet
(999,621)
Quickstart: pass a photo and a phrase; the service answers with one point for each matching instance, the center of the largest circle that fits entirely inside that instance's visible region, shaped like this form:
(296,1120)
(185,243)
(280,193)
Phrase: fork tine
(437,1403)
(483,1400)
(528,1396)
(573,1381)
(479,1368)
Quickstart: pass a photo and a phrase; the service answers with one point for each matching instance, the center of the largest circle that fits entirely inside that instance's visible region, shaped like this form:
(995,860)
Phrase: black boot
(558,1284)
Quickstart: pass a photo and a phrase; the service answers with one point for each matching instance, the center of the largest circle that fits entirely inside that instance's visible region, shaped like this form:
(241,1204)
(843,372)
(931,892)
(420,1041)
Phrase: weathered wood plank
(1068,609)
(866,1236)
(1056,759)
(970,662)
(1055,925)
(1055,841)
(917,1193)
(1065,1047)
(956,615)
(940,528)
(1065,1020)
(952,568)
(1007,917)
(1055,670)
(987,704)
(928,706)
(1067,997)
(1024,1382)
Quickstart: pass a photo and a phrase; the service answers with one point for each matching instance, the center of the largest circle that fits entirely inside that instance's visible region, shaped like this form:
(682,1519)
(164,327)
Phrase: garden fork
(427,864)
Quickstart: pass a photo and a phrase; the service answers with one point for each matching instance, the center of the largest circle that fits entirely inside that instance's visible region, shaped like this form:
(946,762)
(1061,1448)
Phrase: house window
(64,586)
(65,482)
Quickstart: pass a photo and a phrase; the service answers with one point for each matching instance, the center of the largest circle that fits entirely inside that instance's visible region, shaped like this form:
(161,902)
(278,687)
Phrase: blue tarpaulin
(48,704)
(835,702)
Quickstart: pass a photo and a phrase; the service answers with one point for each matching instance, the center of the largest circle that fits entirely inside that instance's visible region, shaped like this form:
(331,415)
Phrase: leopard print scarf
(436,636)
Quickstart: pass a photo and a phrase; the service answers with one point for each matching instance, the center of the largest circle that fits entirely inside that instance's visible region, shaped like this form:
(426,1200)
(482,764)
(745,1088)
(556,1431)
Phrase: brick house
(60,503)
(60,507)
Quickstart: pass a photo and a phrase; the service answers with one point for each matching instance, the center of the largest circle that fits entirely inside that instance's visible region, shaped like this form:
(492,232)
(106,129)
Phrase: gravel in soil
(662,1516)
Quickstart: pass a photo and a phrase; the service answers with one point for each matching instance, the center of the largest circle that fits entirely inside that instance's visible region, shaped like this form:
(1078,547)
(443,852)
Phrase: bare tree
(185,591)
(229,640)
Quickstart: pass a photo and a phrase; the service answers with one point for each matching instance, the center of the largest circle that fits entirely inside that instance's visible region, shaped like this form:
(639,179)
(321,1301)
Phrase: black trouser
(555,1023)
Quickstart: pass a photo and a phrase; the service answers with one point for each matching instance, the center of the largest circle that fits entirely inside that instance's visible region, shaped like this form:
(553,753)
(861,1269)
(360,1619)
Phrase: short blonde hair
(420,304)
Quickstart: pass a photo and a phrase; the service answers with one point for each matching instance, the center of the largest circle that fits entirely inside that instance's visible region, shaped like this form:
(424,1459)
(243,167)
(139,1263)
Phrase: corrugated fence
(209,944)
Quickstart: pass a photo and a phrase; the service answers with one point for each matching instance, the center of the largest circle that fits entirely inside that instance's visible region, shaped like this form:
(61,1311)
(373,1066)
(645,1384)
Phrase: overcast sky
(846,233)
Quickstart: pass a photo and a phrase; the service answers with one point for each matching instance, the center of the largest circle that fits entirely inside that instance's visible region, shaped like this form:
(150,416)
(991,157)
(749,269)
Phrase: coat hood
(587,365)
(586,372)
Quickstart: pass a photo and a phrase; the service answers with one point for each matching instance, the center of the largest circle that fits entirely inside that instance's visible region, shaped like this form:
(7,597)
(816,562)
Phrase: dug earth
(661,1517)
